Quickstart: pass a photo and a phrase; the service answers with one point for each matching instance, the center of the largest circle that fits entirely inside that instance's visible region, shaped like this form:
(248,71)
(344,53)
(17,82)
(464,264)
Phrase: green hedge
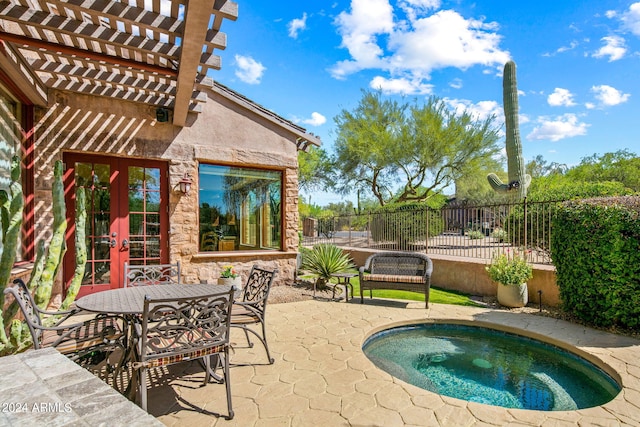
(595,246)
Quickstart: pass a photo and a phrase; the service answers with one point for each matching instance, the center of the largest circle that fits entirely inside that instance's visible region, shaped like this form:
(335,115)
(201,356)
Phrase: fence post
(369,229)
(349,225)
(526,225)
(426,232)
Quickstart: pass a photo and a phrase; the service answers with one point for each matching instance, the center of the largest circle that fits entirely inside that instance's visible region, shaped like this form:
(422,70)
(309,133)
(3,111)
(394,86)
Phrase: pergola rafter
(154,52)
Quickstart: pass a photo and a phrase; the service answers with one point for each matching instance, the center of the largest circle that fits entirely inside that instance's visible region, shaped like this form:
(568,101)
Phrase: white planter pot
(236,282)
(513,295)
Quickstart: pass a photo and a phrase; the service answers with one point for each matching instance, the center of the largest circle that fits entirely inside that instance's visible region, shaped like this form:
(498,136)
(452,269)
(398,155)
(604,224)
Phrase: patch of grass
(436,295)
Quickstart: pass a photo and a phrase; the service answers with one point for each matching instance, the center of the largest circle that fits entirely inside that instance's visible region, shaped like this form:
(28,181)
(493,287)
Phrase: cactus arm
(38,265)
(518,180)
(496,183)
(81,249)
(12,207)
(57,246)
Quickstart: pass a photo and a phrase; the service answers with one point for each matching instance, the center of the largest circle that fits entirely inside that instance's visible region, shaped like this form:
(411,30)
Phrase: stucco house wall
(227,132)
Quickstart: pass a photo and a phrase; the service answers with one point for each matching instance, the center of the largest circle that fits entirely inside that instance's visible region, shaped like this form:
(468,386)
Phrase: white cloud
(401,86)
(359,30)
(614,47)
(249,70)
(571,46)
(561,98)
(609,96)
(412,48)
(456,83)
(421,4)
(480,111)
(555,129)
(446,39)
(631,18)
(297,25)
(415,7)
(316,119)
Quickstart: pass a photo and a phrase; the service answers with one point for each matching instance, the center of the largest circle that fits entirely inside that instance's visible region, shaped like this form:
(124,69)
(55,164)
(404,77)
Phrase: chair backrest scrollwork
(145,275)
(185,326)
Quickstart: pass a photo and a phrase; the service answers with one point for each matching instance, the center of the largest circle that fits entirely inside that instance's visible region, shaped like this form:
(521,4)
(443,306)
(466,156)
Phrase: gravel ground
(299,291)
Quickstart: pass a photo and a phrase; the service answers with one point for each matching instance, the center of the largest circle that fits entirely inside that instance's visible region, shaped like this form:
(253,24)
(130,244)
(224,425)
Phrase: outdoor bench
(403,271)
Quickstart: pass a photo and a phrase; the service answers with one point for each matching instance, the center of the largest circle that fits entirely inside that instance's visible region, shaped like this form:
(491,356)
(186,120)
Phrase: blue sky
(578,64)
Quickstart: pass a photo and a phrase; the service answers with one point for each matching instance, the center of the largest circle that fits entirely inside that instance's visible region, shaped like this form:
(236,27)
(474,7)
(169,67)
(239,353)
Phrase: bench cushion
(394,278)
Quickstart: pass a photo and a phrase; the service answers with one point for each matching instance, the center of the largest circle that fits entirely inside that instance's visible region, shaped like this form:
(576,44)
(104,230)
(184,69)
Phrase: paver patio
(322,378)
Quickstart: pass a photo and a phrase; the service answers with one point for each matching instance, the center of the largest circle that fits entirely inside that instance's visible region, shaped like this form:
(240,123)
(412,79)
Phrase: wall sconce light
(185,184)
(162,115)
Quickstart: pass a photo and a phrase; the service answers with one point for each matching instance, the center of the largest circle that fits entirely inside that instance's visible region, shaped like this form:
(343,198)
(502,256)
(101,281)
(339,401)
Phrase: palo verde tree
(408,152)
(314,170)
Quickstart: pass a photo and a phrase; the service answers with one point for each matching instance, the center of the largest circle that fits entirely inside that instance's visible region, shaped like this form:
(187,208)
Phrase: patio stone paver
(321,377)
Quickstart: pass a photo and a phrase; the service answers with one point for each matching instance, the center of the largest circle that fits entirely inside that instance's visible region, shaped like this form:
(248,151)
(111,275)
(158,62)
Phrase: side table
(345,280)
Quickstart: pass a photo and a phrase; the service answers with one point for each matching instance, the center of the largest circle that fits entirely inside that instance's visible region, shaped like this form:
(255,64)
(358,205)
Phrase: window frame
(259,248)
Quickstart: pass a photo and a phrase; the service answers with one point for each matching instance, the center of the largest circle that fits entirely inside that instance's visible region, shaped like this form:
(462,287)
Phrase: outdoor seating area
(408,271)
(165,214)
(315,370)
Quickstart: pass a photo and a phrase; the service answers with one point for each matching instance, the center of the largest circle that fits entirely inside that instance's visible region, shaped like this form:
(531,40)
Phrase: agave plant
(325,260)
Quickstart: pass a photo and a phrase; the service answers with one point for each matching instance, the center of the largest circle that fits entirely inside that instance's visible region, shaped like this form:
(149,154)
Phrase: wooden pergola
(156,52)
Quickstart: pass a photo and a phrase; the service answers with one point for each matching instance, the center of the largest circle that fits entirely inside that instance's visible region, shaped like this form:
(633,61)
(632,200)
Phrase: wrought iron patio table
(129,302)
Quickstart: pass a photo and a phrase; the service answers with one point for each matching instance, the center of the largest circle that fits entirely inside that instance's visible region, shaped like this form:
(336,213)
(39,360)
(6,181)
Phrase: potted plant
(229,276)
(511,275)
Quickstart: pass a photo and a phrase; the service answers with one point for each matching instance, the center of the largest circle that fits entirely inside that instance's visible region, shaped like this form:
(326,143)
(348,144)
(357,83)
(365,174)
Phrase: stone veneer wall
(224,133)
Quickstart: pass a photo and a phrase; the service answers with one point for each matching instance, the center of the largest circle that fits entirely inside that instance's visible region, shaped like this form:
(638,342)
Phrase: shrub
(405,224)
(499,234)
(513,270)
(475,234)
(595,247)
(325,260)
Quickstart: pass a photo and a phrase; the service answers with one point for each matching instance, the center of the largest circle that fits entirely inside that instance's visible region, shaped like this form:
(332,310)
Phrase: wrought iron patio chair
(176,330)
(145,275)
(86,342)
(250,310)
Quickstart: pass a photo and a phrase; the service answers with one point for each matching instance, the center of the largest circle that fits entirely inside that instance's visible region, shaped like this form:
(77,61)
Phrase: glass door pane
(95,178)
(144,215)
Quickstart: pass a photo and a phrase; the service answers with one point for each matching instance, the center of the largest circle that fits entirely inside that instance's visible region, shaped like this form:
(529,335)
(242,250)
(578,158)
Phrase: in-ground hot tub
(489,366)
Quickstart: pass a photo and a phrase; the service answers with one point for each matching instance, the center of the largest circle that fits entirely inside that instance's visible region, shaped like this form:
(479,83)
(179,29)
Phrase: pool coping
(562,345)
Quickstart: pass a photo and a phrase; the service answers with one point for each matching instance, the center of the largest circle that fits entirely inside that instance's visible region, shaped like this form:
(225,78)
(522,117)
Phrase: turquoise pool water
(488,366)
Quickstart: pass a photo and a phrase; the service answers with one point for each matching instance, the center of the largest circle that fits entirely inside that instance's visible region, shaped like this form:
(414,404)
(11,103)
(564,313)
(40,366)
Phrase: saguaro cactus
(81,248)
(11,206)
(518,180)
(57,246)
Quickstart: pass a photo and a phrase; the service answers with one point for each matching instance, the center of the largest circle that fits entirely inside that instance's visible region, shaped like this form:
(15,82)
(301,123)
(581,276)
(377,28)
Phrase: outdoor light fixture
(185,184)
(162,115)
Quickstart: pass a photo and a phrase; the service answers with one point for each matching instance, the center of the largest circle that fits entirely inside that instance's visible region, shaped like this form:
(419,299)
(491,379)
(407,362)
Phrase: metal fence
(461,230)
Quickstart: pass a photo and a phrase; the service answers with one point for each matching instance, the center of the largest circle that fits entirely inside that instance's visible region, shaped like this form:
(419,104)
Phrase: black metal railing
(476,231)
